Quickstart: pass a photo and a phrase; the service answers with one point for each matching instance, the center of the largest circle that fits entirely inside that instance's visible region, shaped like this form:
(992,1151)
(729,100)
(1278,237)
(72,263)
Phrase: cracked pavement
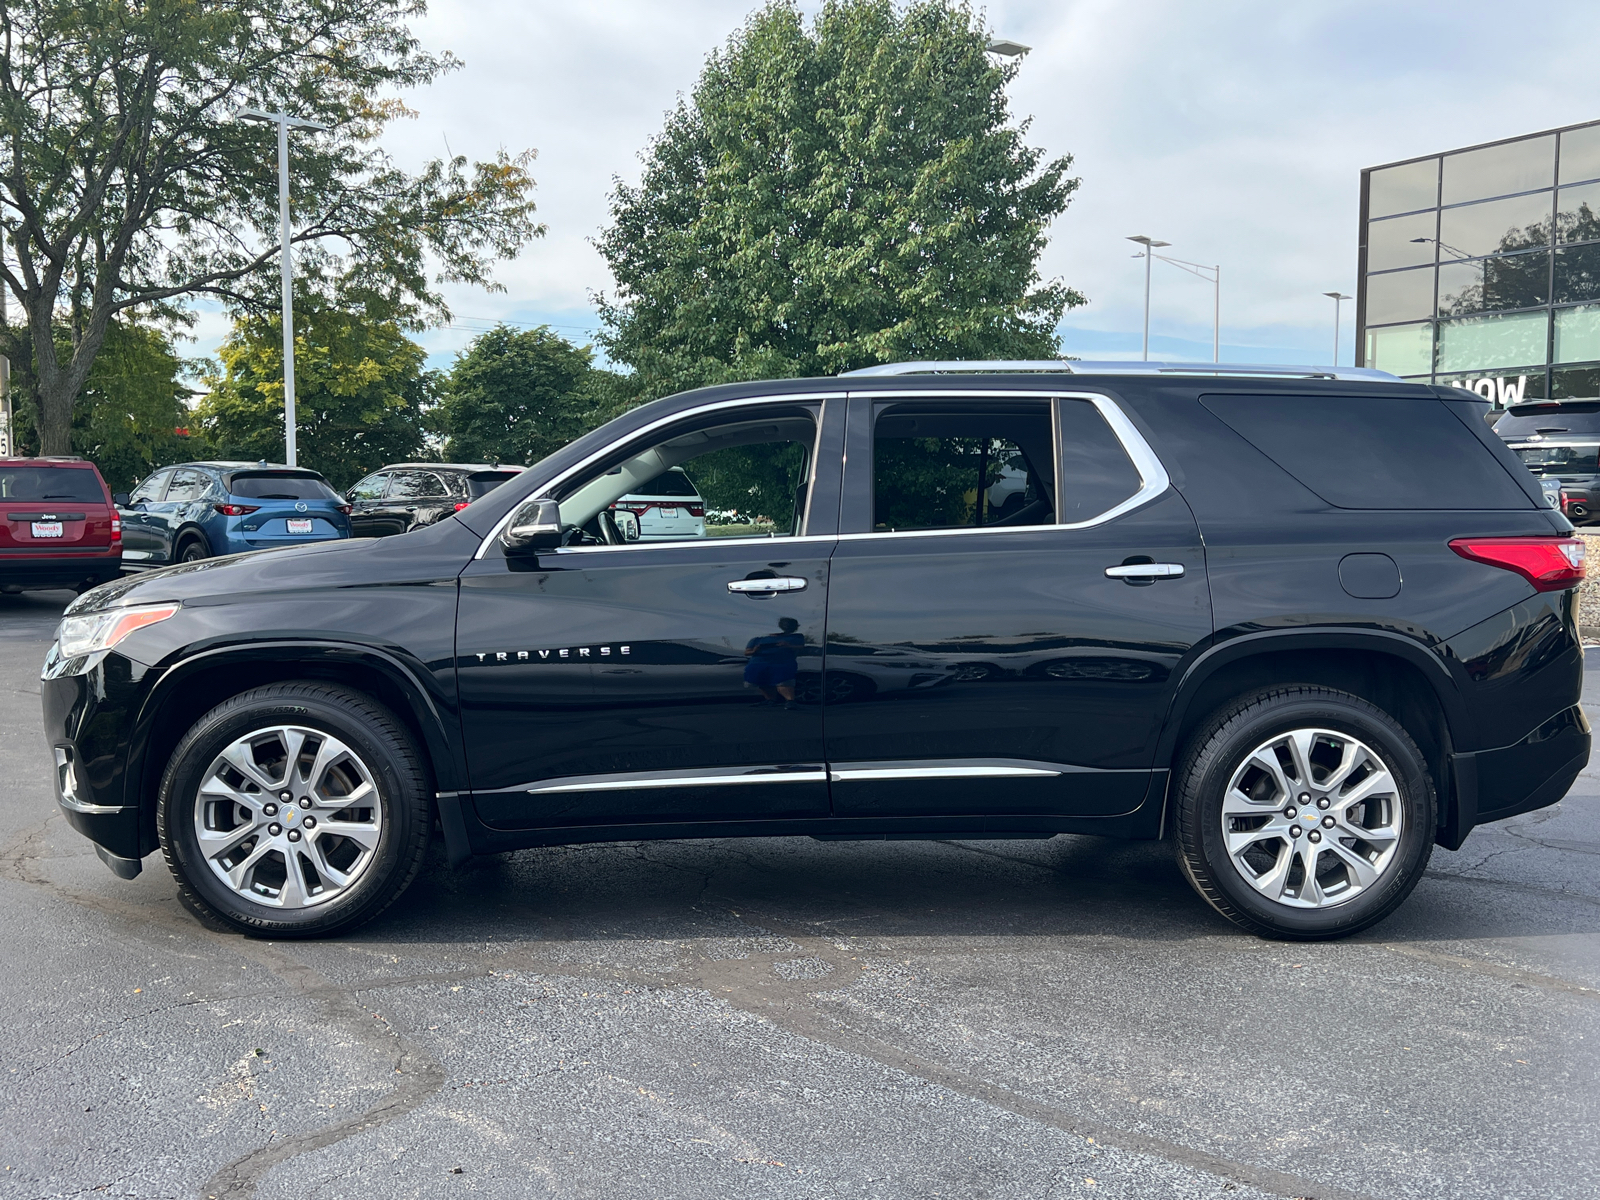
(789,1018)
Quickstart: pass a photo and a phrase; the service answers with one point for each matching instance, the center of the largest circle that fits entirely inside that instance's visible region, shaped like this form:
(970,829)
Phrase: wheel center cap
(288,816)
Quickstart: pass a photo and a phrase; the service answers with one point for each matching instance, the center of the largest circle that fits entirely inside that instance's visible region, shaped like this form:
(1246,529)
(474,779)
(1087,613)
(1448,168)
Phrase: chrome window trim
(746,401)
(1153,478)
(978,769)
(700,543)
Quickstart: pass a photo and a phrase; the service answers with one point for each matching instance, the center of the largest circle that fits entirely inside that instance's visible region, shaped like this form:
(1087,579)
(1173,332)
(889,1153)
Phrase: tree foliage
(833,197)
(127,182)
(362,392)
(517,396)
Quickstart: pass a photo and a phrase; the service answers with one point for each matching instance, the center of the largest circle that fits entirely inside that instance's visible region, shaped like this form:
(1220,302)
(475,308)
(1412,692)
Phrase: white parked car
(668,508)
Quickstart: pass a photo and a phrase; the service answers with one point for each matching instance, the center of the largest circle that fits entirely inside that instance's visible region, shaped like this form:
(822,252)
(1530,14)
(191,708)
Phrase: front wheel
(294,810)
(1304,813)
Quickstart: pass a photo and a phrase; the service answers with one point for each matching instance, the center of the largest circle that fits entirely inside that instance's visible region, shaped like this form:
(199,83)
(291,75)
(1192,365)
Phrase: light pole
(1006,48)
(1150,244)
(1338,298)
(1215,280)
(286,261)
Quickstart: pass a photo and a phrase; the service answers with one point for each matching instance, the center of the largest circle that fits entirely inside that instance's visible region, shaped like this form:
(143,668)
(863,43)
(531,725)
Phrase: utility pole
(286,262)
(1338,299)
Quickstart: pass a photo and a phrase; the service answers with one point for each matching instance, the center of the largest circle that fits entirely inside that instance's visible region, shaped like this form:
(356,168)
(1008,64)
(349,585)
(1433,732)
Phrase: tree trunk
(54,418)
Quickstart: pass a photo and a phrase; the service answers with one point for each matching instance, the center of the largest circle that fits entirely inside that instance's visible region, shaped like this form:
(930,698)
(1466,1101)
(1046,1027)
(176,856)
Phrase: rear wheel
(192,549)
(294,810)
(1304,813)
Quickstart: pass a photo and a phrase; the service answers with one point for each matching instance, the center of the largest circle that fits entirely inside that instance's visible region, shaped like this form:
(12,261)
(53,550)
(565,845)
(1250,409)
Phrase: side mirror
(627,524)
(120,499)
(535,526)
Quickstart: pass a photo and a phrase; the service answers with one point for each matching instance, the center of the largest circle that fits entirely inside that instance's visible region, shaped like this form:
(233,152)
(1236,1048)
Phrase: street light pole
(1338,299)
(285,264)
(1149,245)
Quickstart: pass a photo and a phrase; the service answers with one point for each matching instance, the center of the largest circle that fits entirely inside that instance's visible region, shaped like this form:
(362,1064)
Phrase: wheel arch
(188,530)
(1398,675)
(192,686)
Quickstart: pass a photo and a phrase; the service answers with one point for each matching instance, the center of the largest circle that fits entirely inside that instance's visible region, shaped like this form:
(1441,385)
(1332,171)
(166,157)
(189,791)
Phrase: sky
(1236,130)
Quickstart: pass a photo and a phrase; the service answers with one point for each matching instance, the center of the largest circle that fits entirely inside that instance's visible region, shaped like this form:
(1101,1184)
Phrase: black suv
(1560,440)
(1305,625)
(400,497)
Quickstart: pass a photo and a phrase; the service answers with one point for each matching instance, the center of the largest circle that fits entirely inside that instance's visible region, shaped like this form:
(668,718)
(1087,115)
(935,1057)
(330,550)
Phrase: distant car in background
(669,508)
(404,496)
(1559,441)
(198,510)
(60,529)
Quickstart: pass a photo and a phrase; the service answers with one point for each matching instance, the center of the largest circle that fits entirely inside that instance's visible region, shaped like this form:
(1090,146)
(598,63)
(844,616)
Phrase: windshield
(76,484)
(485,482)
(1573,458)
(268,485)
(1554,419)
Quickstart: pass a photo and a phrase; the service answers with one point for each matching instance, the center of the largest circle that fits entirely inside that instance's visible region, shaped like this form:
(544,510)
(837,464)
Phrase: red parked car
(60,528)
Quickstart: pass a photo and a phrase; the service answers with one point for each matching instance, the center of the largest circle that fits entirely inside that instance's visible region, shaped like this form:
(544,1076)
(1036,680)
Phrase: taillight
(460,504)
(236,510)
(697,510)
(346,509)
(116,530)
(1551,564)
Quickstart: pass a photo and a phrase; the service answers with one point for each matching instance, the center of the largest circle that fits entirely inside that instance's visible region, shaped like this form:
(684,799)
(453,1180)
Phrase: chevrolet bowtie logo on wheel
(565,652)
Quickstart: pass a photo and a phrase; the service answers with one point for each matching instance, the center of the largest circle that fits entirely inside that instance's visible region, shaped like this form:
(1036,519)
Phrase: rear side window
(415,485)
(370,488)
(1096,473)
(264,485)
(485,482)
(1373,452)
(75,484)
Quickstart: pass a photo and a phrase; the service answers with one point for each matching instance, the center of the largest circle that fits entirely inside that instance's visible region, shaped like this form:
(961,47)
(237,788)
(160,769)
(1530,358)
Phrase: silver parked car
(669,508)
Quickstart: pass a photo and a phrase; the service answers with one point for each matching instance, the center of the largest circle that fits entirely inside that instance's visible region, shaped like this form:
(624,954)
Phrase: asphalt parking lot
(789,1018)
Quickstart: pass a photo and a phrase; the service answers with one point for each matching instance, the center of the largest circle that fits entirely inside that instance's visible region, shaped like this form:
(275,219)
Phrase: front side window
(744,474)
(150,490)
(938,465)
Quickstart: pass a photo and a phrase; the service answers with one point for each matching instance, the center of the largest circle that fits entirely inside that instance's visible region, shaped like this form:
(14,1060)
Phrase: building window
(1578,274)
(1493,342)
(1494,284)
(1495,226)
(1405,188)
(1400,296)
(1577,334)
(1575,383)
(1520,166)
(1580,154)
(1401,349)
(1401,241)
(1578,214)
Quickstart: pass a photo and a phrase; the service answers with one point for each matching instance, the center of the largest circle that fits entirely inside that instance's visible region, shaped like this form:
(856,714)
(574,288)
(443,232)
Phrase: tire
(1367,778)
(192,549)
(351,859)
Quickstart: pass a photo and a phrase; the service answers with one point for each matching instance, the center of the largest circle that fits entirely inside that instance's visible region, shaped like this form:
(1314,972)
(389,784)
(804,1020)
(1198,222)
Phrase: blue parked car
(196,510)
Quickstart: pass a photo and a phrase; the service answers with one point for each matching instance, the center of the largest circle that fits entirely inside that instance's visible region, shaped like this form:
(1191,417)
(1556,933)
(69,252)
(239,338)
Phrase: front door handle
(766,587)
(1145,571)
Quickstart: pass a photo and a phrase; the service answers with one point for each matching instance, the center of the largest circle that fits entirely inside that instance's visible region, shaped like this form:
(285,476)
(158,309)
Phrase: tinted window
(188,485)
(415,485)
(150,490)
(668,483)
(483,483)
(950,466)
(269,485)
(1096,473)
(1395,243)
(51,483)
(1371,452)
(370,488)
(1404,188)
(1549,419)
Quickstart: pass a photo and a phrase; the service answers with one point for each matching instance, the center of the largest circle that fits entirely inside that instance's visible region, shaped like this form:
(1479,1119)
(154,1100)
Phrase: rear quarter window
(1370,452)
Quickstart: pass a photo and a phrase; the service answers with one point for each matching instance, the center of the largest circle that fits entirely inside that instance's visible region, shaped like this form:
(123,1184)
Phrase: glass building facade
(1481,267)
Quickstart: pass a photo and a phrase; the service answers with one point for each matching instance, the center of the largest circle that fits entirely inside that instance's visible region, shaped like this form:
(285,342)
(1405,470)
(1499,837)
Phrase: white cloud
(1236,131)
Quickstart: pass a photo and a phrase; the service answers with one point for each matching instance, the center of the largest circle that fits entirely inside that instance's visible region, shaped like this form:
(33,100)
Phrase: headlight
(94,632)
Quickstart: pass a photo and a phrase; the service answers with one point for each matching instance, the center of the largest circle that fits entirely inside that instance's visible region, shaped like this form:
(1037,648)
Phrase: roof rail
(1079,367)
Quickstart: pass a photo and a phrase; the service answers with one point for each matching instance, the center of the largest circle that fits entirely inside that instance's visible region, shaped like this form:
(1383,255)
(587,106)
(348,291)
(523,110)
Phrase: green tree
(833,197)
(518,395)
(128,183)
(362,391)
(128,415)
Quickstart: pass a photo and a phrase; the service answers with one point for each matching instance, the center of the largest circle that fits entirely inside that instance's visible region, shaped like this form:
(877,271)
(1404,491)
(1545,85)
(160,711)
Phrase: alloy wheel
(288,817)
(1312,818)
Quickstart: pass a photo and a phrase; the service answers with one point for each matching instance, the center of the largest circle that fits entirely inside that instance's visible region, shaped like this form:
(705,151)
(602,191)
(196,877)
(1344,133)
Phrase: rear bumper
(1536,772)
(66,570)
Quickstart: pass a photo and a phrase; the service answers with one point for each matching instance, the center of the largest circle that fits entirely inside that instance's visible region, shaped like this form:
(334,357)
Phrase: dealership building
(1481,267)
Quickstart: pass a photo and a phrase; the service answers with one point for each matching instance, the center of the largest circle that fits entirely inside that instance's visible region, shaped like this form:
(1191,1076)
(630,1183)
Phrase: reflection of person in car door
(775,661)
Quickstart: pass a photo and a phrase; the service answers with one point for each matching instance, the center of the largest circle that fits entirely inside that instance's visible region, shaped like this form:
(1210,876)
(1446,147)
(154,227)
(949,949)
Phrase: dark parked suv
(1560,440)
(403,496)
(1305,625)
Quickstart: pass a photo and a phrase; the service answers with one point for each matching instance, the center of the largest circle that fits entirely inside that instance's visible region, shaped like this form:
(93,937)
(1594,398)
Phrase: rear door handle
(1145,571)
(783,583)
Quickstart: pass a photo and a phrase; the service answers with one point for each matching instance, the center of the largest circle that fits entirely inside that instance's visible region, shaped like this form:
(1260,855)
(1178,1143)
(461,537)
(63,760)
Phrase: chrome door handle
(1145,571)
(783,583)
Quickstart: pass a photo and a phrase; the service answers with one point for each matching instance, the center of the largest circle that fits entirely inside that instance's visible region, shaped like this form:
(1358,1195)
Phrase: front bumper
(87,721)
